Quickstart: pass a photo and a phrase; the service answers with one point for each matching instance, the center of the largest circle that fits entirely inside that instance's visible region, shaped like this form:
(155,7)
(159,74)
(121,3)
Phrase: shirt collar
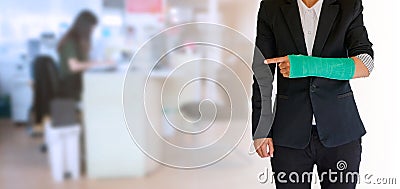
(317,7)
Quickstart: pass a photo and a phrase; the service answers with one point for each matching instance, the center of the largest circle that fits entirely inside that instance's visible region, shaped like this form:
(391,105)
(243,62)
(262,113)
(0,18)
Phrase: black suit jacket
(341,33)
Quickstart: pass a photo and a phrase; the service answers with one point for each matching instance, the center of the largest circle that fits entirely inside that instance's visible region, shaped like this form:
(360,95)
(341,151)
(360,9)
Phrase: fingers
(283,63)
(262,151)
(276,60)
(285,69)
(259,152)
(264,148)
(257,145)
(270,148)
(285,72)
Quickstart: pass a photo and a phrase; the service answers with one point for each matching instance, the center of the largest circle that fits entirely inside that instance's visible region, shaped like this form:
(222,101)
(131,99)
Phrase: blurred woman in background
(50,83)
(73,50)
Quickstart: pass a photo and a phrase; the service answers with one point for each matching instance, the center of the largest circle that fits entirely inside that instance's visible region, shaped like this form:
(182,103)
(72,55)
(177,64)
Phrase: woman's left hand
(283,63)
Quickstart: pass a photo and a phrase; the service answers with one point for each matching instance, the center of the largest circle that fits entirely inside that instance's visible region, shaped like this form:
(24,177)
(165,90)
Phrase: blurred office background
(98,152)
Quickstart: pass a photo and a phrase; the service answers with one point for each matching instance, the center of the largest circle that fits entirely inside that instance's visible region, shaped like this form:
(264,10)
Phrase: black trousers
(337,167)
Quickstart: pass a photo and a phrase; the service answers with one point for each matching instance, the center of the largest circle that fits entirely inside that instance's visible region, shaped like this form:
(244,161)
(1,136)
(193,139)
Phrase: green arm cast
(332,68)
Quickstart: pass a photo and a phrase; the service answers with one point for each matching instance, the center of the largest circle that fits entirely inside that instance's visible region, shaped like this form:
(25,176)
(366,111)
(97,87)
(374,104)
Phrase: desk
(110,150)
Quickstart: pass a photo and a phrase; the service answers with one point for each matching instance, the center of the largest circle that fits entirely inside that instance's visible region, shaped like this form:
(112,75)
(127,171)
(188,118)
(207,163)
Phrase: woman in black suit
(316,120)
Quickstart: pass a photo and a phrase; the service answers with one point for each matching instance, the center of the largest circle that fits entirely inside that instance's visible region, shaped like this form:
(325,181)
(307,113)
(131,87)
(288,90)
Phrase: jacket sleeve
(357,41)
(262,117)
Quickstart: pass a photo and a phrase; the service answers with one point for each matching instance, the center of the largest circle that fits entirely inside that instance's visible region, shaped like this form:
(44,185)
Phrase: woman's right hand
(264,147)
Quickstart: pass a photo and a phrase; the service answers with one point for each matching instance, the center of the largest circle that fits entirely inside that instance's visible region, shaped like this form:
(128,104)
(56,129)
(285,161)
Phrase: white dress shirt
(309,21)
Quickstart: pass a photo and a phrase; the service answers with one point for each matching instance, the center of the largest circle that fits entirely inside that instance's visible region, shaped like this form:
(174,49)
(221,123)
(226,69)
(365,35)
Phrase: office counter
(110,150)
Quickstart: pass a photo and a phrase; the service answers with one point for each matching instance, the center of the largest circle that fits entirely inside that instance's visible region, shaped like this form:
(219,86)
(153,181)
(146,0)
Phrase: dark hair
(80,32)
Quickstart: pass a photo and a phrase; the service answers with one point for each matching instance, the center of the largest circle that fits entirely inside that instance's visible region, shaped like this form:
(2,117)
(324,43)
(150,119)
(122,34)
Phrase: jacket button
(313,88)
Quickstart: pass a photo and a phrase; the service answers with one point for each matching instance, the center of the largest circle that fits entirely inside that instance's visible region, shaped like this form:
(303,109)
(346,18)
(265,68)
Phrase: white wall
(377,96)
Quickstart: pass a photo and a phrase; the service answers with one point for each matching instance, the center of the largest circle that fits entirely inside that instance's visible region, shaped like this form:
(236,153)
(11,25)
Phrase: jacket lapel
(292,17)
(327,18)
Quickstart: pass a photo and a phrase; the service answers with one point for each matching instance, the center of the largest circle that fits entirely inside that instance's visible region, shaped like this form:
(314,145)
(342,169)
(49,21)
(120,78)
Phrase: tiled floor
(22,166)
